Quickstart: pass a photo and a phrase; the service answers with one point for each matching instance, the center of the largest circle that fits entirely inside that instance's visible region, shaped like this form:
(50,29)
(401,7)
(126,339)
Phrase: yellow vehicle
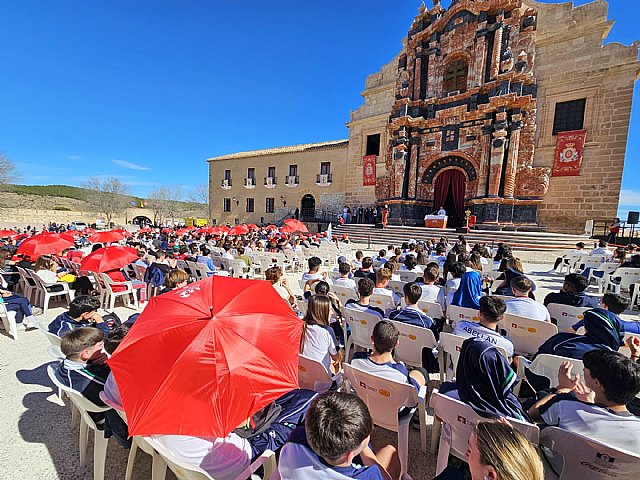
(195,222)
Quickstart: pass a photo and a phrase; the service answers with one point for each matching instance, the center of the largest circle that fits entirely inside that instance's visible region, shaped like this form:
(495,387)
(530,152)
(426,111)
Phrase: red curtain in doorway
(454,180)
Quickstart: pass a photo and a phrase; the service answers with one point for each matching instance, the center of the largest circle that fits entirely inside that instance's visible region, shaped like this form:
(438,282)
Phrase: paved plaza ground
(37,441)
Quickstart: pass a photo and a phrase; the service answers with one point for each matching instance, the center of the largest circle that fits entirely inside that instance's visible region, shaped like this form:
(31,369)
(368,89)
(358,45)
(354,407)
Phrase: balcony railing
(226,184)
(270,182)
(324,179)
(249,182)
(292,181)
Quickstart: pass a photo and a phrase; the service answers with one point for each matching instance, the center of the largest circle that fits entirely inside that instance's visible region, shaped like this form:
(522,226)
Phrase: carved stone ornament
(507,61)
(532,181)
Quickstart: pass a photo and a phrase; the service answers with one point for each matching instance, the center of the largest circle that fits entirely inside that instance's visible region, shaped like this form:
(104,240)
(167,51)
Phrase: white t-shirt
(452,285)
(387,293)
(433,293)
(618,430)
(528,308)
(222,458)
(346,282)
(311,276)
(47,276)
(319,344)
(473,329)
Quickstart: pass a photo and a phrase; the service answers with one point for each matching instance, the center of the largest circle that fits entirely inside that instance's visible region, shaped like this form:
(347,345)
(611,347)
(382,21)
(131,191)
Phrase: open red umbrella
(7,233)
(239,230)
(202,359)
(108,258)
(44,244)
(287,229)
(167,230)
(252,226)
(70,235)
(272,227)
(144,230)
(182,231)
(126,233)
(109,236)
(297,225)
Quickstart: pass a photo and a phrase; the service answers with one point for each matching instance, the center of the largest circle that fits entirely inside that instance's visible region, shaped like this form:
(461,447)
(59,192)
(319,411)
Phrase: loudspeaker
(379,225)
(633,218)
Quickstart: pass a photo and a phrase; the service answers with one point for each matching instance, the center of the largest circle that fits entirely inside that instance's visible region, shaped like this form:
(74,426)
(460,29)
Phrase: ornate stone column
(413,164)
(417,74)
(496,56)
(512,160)
(484,158)
(497,153)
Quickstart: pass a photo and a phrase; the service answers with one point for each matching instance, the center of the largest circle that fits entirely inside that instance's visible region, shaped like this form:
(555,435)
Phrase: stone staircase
(395,235)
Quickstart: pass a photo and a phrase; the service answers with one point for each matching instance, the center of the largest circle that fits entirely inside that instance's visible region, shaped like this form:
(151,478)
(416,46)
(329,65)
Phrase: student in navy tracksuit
(83,312)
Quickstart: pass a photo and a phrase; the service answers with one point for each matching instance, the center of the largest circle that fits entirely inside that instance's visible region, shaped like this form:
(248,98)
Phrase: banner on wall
(369,170)
(569,151)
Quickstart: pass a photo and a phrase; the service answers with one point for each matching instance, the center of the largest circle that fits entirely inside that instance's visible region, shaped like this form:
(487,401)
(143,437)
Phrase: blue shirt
(412,315)
(63,323)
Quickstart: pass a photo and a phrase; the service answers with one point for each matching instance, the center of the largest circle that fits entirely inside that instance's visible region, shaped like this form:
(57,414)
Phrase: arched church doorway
(308,207)
(448,192)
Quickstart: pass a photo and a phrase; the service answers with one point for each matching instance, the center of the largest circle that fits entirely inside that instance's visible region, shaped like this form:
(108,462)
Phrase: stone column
(497,153)
(417,74)
(484,158)
(497,50)
(512,160)
(413,164)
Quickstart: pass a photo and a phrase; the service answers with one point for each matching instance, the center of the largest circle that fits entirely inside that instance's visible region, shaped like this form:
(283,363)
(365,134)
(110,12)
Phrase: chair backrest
(55,352)
(451,345)
(547,366)
(592,261)
(526,335)
(333,275)
(361,325)
(459,420)
(52,337)
(624,349)
(313,375)
(397,286)
(628,276)
(344,293)
(26,277)
(565,315)
(406,276)
(385,302)
(411,342)
(433,309)
(383,397)
(585,458)
(180,469)
(457,314)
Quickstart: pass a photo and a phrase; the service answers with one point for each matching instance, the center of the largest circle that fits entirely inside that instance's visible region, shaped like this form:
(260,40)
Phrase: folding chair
(384,399)
(361,325)
(411,342)
(566,316)
(526,335)
(585,458)
(86,422)
(547,366)
(312,375)
(453,424)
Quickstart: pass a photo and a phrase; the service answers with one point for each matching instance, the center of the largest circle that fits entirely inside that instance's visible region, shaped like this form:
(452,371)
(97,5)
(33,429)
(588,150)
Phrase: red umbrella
(44,244)
(88,230)
(69,235)
(106,237)
(122,231)
(167,230)
(7,233)
(239,230)
(272,227)
(108,258)
(252,226)
(202,359)
(181,231)
(287,229)
(144,230)
(297,225)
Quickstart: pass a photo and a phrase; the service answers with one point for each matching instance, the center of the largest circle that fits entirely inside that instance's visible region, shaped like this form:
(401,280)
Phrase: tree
(108,196)
(175,207)
(8,171)
(165,202)
(200,196)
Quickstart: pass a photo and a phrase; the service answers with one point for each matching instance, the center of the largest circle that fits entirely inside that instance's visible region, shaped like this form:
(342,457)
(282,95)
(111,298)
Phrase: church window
(569,116)
(373,145)
(455,77)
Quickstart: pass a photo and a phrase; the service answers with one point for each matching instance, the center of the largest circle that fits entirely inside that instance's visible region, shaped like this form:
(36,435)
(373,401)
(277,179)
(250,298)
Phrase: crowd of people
(329,434)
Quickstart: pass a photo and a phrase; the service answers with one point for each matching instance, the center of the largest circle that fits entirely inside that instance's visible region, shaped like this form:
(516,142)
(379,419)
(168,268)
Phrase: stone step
(521,240)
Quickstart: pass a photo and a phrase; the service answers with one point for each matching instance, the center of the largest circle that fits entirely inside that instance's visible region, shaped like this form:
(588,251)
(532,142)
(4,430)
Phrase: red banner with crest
(369,170)
(569,151)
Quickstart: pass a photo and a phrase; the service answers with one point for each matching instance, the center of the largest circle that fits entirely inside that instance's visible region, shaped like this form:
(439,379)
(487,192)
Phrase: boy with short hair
(366,270)
(383,277)
(313,275)
(523,306)
(572,293)
(611,306)
(365,290)
(83,312)
(336,430)
(411,314)
(430,291)
(344,281)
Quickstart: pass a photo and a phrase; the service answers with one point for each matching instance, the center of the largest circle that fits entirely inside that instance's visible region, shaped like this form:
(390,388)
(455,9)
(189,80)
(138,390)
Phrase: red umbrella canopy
(201,359)
(272,227)
(122,231)
(69,235)
(108,258)
(252,226)
(297,225)
(239,230)
(7,233)
(106,237)
(287,229)
(144,230)
(182,231)
(44,244)
(167,230)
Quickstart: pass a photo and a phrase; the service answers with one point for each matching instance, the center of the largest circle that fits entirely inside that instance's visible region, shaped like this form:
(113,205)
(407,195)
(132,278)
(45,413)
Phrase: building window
(251,173)
(569,116)
(455,77)
(271,172)
(293,170)
(250,205)
(373,145)
(270,207)
(325,168)
(226,205)
(227,174)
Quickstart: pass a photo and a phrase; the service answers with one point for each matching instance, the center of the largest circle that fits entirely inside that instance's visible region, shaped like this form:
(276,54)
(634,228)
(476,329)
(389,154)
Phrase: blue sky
(148,89)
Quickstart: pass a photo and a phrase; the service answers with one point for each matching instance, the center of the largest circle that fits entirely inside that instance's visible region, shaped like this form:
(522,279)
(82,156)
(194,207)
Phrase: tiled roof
(290,149)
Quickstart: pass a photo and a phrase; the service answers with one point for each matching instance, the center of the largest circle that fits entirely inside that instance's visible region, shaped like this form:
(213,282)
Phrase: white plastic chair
(457,314)
(547,366)
(570,261)
(127,294)
(411,342)
(344,293)
(384,399)
(238,267)
(361,325)
(406,276)
(397,286)
(566,316)
(591,261)
(384,302)
(86,422)
(8,318)
(53,338)
(27,285)
(433,309)
(627,276)
(526,335)
(606,269)
(585,458)
(331,275)
(44,292)
(453,424)
(634,297)
(449,349)
(312,375)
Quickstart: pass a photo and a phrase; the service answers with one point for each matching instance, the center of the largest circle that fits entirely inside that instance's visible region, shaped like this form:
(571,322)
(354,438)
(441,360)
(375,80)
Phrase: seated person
(572,293)
(205,259)
(318,340)
(344,280)
(273,275)
(83,312)
(603,331)
(411,314)
(596,405)
(513,269)
(382,256)
(411,265)
(430,291)
(470,290)
(336,430)
(523,306)
(365,290)
(313,275)
(366,270)
(457,270)
(20,305)
(357,262)
(491,312)
(579,250)
(601,249)
(175,279)
(485,381)
(111,341)
(614,304)
(383,276)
